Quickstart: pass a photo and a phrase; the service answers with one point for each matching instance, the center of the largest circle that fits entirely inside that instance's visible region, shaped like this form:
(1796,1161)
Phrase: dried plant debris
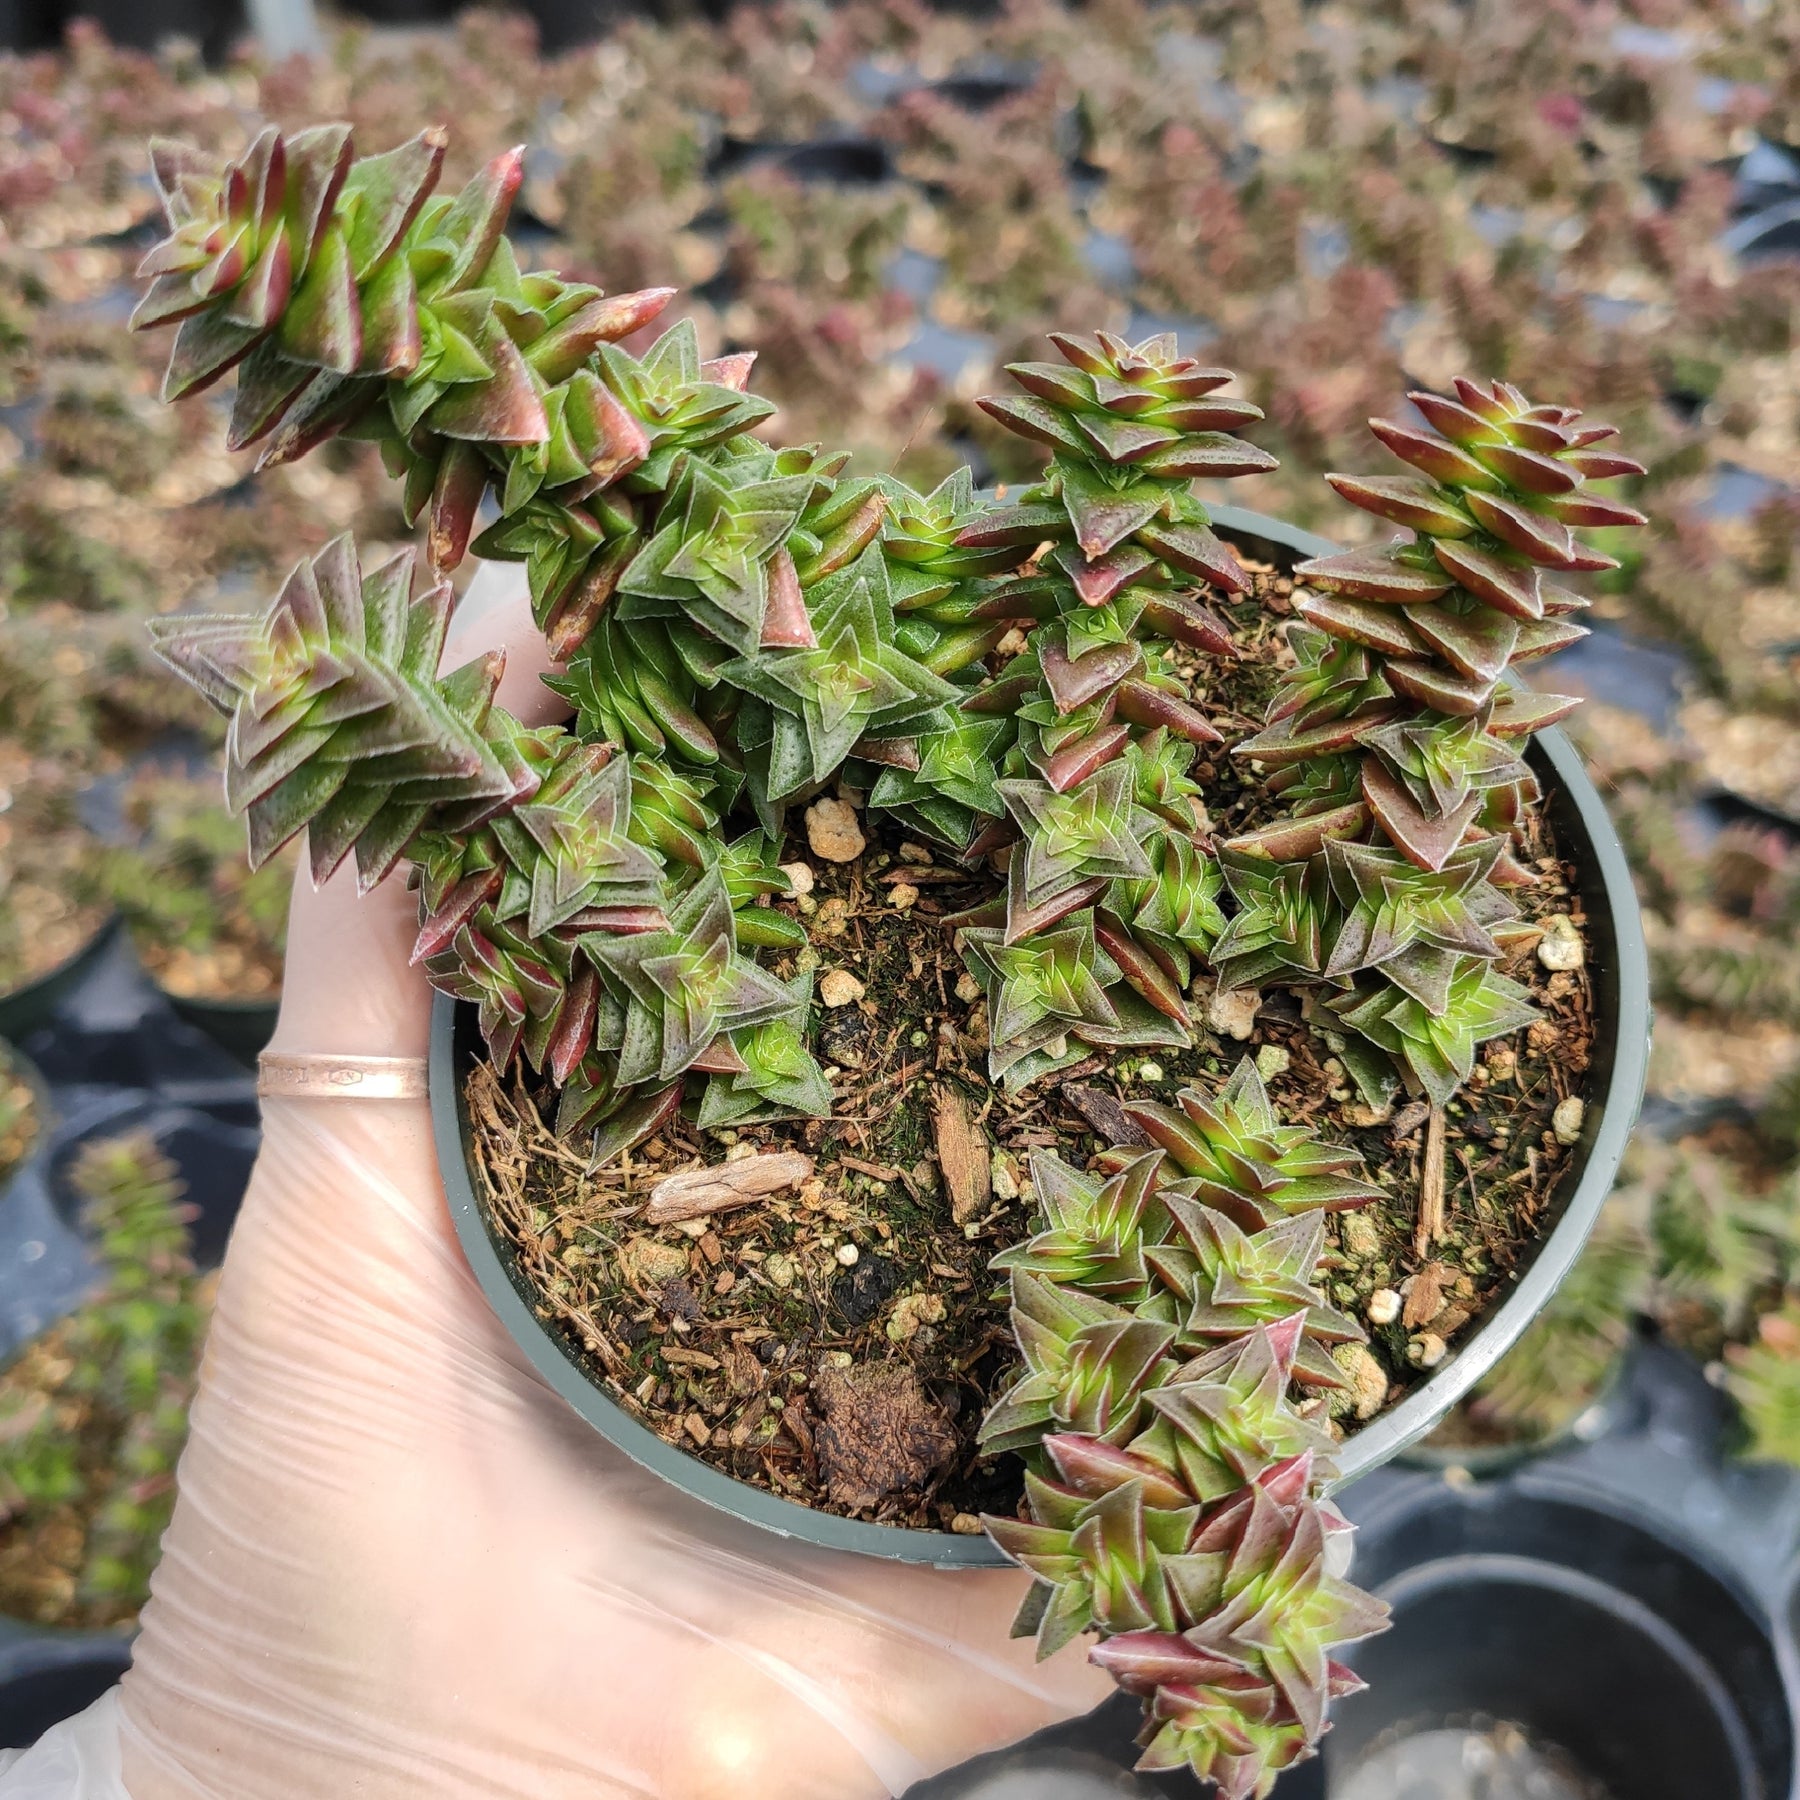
(727,1333)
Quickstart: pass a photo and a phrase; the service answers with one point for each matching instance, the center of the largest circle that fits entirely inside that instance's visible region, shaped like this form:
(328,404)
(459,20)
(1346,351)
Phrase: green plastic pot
(24,1009)
(1621,977)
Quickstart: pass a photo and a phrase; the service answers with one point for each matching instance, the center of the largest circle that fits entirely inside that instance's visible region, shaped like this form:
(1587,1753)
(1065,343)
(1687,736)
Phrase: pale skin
(401,1567)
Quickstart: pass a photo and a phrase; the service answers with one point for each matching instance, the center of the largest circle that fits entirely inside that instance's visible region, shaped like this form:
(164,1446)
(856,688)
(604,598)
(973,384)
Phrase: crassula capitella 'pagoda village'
(741,624)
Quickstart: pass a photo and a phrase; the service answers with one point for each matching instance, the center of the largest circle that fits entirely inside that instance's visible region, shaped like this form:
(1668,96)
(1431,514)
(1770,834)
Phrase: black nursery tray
(116,1057)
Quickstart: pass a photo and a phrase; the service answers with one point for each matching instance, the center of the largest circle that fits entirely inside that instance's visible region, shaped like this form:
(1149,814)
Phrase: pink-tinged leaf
(332,832)
(1538,435)
(1060,386)
(1196,549)
(1601,465)
(1424,841)
(323,321)
(1123,440)
(170,161)
(1183,618)
(462,479)
(633,1122)
(1595,509)
(1290,840)
(1218,414)
(259,301)
(169,298)
(1073,684)
(731,371)
(1490,402)
(1149,706)
(392,339)
(1527,470)
(1098,579)
(264,167)
(1142,972)
(477,217)
(1374,575)
(1428,685)
(437,930)
(1520,711)
(388,190)
(785,622)
(1560,600)
(1544,540)
(1023,921)
(1014,527)
(1380,627)
(720,1057)
(1282,743)
(574,1033)
(1030,417)
(1585,561)
(624,442)
(225,270)
(1207,455)
(889,753)
(1478,643)
(328,405)
(268,384)
(1433,455)
(565,347)
(205,347)
(1457,423)
(576,613)
(1506,585)
(1003,695)
(1103,520)
(1405,500)
(505,410)
(318,161)
(1073,763)
(1544,637)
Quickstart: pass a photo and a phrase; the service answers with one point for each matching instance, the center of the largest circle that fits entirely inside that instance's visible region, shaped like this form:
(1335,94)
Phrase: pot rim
(1611,1115)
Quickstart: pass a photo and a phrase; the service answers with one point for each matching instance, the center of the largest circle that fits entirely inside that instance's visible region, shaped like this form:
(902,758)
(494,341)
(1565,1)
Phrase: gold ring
(341,1077)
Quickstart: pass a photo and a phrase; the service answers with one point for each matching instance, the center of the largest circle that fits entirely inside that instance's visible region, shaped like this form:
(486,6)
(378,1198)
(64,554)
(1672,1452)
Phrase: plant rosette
(1106,958)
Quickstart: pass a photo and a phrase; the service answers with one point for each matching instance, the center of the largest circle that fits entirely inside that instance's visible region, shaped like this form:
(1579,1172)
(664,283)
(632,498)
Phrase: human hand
(400,1566)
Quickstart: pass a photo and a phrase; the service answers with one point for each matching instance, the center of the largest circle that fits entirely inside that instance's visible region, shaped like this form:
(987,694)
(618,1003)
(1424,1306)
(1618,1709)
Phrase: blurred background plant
(1341,201)
(203,923)
(93,1413)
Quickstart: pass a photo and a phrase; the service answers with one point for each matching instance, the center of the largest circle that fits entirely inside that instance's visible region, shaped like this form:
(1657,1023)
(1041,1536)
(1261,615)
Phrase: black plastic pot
(1622,1017)
(48,1676)
(24,1009)
(241,1028)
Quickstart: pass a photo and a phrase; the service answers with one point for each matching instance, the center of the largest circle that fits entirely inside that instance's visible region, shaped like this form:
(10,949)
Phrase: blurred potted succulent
(95,1410)
(208,930)
(53,910)
(977,746)
(23,1109)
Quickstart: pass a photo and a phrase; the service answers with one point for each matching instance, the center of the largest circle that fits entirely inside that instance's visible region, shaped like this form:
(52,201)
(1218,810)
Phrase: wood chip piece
(714,1187)
(1425,1294)
(962,1149)
(1106,1116)
(880,1434)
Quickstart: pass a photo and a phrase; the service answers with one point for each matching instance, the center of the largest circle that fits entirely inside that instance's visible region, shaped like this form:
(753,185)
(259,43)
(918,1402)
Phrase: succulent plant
(1089,1366)
(1220,1283)
(1107,1541)
(1098,1229)
(1764,1379)
(96,1410)
(339,722)
(1244,1691)
(1229,1151)
(780,1078)
(683,987)
(1223,1417)
(1438,1047)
